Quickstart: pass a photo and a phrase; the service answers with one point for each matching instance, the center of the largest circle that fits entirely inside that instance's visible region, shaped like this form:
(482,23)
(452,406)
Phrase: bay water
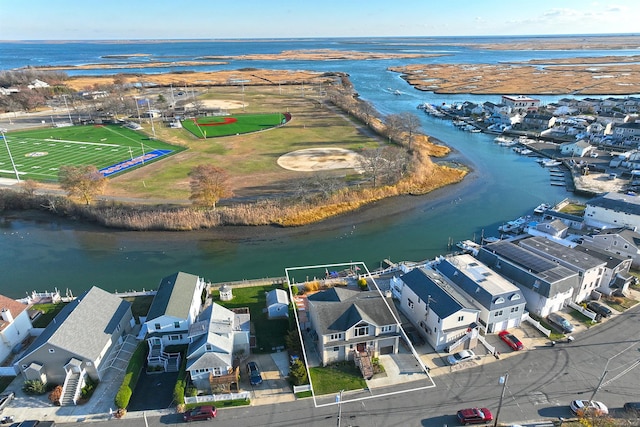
(43,254)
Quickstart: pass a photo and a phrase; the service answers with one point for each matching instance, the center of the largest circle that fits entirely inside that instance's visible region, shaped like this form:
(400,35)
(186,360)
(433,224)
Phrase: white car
(461,356)
(586,406)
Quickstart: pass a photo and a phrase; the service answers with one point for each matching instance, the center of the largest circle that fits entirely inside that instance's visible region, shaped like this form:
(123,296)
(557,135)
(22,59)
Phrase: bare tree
(366,110)
(384,165)
(393,126)
(409,124)
(209,184)
(83,182)
(29,187)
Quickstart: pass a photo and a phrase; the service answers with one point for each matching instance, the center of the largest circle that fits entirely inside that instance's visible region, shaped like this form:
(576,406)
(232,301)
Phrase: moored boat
(541,208)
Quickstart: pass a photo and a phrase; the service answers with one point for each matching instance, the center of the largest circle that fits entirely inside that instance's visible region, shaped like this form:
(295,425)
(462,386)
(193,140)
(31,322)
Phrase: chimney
(6,315)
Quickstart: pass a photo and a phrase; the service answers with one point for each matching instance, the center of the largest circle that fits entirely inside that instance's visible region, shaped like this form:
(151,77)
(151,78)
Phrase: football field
(38,154)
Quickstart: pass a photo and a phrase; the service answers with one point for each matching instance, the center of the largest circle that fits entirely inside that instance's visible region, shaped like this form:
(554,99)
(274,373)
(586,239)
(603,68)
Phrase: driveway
(275,387)
(153,391)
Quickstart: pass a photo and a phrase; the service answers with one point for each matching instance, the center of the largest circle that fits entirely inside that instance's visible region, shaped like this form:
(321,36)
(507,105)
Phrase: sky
(250,19)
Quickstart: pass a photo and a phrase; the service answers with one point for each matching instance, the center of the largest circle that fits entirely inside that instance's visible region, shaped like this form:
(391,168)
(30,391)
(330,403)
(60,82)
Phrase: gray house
(353,324)
(546,285)
(77,341)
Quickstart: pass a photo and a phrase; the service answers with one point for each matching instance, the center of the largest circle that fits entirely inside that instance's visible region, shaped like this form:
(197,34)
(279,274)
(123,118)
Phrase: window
(460,318)
(336,348)
(176,325)
(334,337)
(157,325)
(410,303)
(52,350)
(386,328)
(498,313)
(217,371)
(499,300)
(361,331)
(514,309)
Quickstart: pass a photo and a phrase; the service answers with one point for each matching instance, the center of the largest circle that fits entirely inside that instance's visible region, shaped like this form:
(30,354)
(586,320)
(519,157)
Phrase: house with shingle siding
(174,309)
(349,323)
(76,342)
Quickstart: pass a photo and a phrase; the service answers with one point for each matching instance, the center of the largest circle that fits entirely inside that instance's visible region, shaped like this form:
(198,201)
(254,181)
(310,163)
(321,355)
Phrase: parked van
(560,322)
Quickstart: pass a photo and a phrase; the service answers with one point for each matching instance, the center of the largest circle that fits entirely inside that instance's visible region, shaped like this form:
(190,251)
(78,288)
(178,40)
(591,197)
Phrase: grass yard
(49,311)
(216,126)
(38,154)
(269,333)
(336,377)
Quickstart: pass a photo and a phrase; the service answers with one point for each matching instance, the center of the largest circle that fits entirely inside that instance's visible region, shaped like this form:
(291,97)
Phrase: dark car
(560,322)
(598,308)
(632,408)
(254,373)
(511,340)
(474,416)
(200,413)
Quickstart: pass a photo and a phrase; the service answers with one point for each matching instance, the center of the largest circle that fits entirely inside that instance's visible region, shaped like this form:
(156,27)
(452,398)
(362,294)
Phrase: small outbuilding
(226,293)
(277,304)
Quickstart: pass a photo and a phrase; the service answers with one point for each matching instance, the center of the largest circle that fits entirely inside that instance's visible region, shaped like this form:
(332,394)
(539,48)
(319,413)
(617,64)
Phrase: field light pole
(6,143)
(153,129)
(67,107)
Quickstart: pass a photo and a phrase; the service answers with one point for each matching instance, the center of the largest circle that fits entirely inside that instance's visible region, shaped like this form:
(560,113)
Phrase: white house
(174,309)
(218,337)
(520,103)
(576,149)
(501,303)
(438,312)
(15,325)
(546,285)
(613,210)
(277,304)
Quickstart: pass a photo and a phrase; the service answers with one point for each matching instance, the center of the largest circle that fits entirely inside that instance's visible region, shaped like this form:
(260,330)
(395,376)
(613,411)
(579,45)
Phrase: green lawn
(38,154)
(49,311)
(269,333)
(215,126)
(336,377)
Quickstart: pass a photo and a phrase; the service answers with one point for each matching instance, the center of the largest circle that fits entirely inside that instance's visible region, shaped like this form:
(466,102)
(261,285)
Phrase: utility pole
(339,399)
(503,381)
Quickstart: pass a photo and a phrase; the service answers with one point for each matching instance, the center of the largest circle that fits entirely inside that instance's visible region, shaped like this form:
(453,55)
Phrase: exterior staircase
(172,363)
(363,361)
(71,385)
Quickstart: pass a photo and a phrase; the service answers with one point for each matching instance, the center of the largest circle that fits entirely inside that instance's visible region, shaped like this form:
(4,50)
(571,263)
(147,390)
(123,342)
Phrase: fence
(590,314)
(217,397)
(536,324)
(301,388)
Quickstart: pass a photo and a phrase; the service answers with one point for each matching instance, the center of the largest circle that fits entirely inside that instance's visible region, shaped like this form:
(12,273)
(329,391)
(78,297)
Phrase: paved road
(542,381)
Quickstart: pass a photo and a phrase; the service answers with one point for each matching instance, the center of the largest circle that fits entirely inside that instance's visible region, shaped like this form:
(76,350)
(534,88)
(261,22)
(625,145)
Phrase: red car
(474,416)
(511,340)
(201,413)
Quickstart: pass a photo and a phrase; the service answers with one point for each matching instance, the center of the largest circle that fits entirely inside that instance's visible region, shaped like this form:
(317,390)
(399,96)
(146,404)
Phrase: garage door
(386,350)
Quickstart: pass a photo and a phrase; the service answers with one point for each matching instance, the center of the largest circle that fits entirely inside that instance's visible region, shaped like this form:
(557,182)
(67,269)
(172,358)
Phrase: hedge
(131,376)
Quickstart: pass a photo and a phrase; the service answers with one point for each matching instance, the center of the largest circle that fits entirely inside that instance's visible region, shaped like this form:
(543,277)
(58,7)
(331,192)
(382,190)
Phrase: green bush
(294,290)
(34,387)
(181,383)
(191,391)
(298,373)
(131,376)
(89,388)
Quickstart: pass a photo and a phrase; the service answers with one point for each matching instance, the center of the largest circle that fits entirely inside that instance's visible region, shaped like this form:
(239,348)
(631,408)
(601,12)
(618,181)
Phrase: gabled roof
(14,307)
(617,202)
(85,325)
(340,309)
(213,337)
(629,235)
(440,301)
(174,296)
(277,296)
